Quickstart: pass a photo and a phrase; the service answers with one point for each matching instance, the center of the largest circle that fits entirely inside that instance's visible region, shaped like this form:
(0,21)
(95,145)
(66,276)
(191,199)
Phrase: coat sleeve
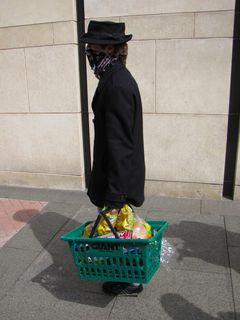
(119,123)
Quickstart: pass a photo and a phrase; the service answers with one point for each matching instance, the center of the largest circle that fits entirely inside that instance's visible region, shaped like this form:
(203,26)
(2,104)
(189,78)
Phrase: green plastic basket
(122,260)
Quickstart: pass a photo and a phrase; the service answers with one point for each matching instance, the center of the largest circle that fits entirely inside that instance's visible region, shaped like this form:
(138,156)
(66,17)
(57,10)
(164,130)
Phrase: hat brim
(86,39)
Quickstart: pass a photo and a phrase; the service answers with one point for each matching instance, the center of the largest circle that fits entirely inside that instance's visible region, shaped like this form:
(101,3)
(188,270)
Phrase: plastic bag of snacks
(125,219)
(141,230)
(103,227)
(127,224)
(87,230)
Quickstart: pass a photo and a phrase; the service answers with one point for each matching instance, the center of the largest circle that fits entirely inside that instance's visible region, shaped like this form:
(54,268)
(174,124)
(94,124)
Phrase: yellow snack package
(148,228)
(87,230)
(103,227)
(125,219)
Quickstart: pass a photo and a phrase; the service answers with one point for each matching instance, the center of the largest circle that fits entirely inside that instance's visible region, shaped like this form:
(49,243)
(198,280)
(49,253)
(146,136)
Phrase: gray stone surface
(188,61)
(13,94)
(52,279)
(13,263)
(84,214)
(44,194)
(32,301)
(234,255)
(214,24)
(99,8)
(233,230)
(178,295)
(15,37)
(162,26)
(39,231)
(38,278)
(173,205)
(15,14)
(199,242)
(176,189)
(221,207)
(141,53)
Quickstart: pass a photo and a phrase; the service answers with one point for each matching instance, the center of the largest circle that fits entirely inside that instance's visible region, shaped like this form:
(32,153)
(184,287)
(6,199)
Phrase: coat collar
(102,82)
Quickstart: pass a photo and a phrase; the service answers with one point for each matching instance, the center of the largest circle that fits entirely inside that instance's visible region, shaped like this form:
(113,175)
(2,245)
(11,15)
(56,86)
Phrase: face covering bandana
(99,62)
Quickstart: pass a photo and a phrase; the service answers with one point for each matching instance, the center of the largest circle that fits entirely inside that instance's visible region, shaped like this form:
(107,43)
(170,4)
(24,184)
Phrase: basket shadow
(55,270)
(179,308)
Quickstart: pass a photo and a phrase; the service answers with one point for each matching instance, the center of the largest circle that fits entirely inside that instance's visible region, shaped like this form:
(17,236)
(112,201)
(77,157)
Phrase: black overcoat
(118,171)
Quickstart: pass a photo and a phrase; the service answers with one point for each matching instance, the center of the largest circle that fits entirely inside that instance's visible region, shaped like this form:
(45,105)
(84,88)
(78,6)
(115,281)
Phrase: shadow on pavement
(179,308)
(202,241)
(55,270)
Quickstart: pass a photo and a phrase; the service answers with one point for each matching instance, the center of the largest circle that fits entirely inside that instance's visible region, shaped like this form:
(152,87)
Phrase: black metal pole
(234,112)
(83,91)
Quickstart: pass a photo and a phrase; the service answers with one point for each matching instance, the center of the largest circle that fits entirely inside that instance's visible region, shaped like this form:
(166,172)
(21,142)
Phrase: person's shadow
(203,241)
(179,308)
(60,277)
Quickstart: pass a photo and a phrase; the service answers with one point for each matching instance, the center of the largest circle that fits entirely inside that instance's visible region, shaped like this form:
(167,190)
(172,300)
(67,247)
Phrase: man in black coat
(118,171)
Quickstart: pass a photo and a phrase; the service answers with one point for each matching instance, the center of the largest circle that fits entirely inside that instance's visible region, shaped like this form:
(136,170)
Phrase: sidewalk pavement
(38,279)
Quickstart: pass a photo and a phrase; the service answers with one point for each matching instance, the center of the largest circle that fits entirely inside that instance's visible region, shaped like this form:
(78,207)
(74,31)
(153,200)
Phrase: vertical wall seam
(194,25)
(155,77)
(53,35)
(26,75)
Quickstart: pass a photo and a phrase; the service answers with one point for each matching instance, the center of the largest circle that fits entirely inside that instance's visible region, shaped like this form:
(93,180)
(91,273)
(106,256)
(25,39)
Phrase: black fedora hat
(105,32)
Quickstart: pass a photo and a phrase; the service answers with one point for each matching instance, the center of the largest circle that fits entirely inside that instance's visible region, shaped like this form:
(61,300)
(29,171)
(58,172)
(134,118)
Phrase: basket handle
(103,214)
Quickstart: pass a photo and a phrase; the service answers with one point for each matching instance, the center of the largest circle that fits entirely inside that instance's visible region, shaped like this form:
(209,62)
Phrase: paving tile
(55,271)
(221,207)
(7,227)
(169,216)
(233,230)
(50,280)
(32,301)
(13,262)
(179,295)
(66,209)
(42,228)
(6,206)
(199,242)
(234,255)
(48,195)
(173,205)
(2,208)
(38,232)
(14,214)
(83,215)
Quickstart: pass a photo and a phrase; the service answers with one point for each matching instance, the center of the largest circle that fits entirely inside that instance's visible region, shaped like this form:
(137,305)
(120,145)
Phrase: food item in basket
(141,230)
(125,219)
(126,234)
(87,230)
(103,227)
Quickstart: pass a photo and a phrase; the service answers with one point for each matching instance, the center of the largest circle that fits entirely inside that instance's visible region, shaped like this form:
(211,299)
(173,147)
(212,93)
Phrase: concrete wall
(40,111)
(181,58)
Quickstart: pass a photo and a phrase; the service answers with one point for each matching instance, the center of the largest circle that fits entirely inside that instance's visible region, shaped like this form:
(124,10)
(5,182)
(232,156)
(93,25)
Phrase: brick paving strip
(15,214)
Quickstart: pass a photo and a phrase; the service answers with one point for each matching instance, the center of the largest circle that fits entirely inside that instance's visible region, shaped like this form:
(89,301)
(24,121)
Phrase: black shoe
(121,288)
